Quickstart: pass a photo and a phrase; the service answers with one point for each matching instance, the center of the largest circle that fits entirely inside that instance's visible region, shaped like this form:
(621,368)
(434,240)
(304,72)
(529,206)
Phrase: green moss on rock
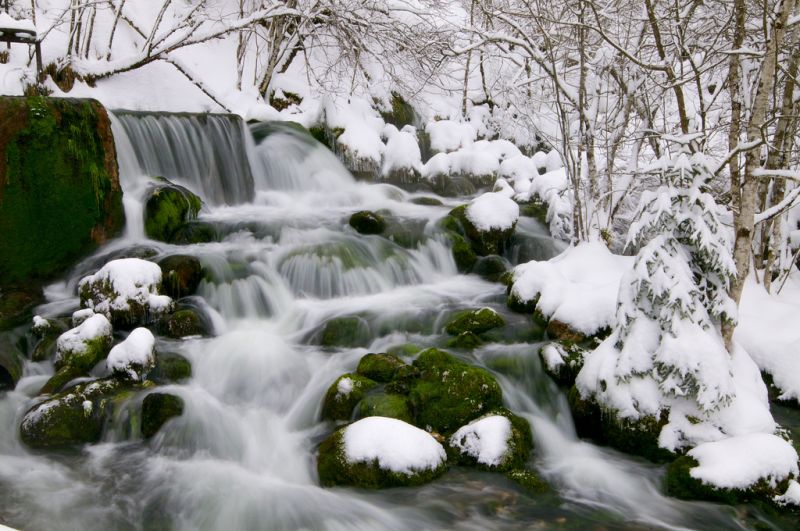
(529,480)
(184,323)
(60,196)
(170,367)
(491,268)
(484,243)
(465,340)
(180,275)
(637,437)
(74,416)
(463,254)
(379,367)
(157,409)
(450,393)
(520,444)
(367,222)
(344,332)
(475,321)
(343,396)
(386,405)
(572,357)
(168,208)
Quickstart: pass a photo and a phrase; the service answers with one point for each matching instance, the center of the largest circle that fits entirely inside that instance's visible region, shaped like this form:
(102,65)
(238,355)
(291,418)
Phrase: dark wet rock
(157,409)
(367,222)
(180,275)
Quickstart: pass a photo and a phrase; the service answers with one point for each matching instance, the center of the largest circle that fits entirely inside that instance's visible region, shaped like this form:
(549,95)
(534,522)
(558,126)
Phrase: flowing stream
(242,456)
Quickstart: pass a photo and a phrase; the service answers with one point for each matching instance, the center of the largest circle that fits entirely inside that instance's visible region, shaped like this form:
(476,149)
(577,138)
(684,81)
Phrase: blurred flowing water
(242,456)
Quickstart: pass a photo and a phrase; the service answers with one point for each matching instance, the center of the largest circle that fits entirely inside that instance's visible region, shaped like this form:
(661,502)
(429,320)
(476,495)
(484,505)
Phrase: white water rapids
(242,456)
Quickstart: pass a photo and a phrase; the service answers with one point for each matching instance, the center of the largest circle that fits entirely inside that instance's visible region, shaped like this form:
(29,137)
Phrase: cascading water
(242,454)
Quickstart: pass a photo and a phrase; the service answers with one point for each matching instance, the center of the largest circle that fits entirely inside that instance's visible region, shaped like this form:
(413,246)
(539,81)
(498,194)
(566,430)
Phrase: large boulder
(389,405)
(379,367)
(167,209)
(450,393)
(126,291)
(60,196)
(170,367)
(75,416)
(367,222)
(378,452)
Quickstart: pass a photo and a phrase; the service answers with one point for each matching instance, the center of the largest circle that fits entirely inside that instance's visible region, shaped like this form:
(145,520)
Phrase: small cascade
(204,152)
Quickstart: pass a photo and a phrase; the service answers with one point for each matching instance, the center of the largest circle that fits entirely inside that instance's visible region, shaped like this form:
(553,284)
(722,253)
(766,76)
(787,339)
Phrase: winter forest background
(659,139)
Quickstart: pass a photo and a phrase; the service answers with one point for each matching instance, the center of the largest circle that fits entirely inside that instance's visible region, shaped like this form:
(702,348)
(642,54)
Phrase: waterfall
(207,153)
(241,456)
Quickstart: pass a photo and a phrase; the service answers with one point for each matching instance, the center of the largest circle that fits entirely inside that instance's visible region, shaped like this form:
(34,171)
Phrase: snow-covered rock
(578,287)
(493,211)
(125,291)
(380,452)
(84,346)
(495,441)
(134,357)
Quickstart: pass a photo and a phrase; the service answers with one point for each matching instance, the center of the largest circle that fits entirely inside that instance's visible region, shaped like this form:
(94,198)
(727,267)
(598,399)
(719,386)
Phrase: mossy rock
(345,332)
(379,367)
(463,254)
(86,355)
(679,483)
(517,304)
(184,323)
(75,416)
(60,379)
(284,100)
(426,201)
(406,349)
(367,222)
(402,113)
(11,364)
(402,380)
(450,393)
(530,481)
(194,232)
(17,305)
(406,233)
(534,209)
(563,332)
(491,268)
(157,409)
(566,372)
(465,340)
(44,349)
(519,444)
(385,405)
(484,243)
(180,275)
(334,469)
(60,196)
(167,208)
(343,396)
(636,437)
(170,368)
(475,321)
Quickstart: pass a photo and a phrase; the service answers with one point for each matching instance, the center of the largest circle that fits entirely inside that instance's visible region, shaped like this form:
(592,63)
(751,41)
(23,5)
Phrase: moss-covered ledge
(60,195)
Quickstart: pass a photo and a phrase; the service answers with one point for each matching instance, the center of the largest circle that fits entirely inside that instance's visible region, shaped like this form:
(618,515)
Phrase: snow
(493,211)
(739,462)
(134,356)
(344,387)
(402,151)
(8,22)
(578,287)
(40,324)
(553,161)
(79,316)
(769,329)
(397,446)
(553,355)
(75,339)
(791,496)
(485,439)
(447,135)
(131,280)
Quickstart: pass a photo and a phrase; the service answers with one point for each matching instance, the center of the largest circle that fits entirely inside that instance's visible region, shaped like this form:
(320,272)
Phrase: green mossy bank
(60,195)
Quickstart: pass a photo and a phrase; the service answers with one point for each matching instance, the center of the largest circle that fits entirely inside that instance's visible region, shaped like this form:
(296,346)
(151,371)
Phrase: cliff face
(60,195)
